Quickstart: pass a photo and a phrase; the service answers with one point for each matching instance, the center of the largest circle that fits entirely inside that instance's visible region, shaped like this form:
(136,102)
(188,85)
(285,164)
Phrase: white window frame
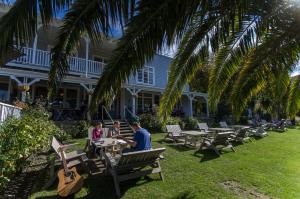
(148,76)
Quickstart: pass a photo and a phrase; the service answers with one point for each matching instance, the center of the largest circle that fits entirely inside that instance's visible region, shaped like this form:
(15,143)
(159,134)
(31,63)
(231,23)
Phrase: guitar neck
(62,154)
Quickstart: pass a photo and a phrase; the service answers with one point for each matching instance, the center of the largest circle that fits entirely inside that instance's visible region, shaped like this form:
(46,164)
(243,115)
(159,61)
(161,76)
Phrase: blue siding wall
(161,67)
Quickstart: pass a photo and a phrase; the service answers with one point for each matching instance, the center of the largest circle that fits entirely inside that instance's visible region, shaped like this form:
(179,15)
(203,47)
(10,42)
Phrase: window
(3,92)
(145,75)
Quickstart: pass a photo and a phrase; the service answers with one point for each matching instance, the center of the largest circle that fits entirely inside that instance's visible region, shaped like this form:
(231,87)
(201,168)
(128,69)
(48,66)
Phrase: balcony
(40,59)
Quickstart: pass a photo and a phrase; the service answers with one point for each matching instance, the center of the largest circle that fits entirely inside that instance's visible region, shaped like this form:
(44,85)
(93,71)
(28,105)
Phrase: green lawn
(270,166)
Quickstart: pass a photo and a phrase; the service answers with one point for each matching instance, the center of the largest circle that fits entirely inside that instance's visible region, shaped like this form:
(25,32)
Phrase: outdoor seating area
(122,169)
(166,99)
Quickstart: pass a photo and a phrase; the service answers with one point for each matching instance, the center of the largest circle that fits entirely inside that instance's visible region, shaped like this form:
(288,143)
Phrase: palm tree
(240,41)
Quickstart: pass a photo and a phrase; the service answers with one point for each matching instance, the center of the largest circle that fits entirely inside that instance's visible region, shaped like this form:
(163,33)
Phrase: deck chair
(133,165)
(174,133)
(204,127)
(220,142)
(242,135)
(223,124)
(73,158)
(257,132)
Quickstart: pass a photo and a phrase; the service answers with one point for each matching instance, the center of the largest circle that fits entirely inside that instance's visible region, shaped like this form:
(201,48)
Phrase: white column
(86,56)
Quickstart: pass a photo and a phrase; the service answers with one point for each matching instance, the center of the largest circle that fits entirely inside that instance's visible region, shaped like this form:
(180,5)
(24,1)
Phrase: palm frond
(145,34)
(19,25)
(95,19)
(293,105)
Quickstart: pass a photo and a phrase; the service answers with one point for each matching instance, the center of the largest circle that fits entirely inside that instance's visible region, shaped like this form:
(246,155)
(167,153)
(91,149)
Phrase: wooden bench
(132,165)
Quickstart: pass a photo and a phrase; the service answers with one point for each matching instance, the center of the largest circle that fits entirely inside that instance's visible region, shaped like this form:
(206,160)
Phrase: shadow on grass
(185,195)
(100,186)
(206,155)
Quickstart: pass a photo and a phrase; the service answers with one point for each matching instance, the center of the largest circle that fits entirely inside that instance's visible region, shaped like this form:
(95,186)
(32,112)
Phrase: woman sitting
(97,132)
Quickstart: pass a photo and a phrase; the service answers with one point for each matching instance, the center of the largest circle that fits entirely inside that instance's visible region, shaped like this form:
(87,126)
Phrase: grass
(270,166)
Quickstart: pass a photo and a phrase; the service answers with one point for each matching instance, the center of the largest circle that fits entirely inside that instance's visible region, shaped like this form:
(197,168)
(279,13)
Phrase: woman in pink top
(97,132)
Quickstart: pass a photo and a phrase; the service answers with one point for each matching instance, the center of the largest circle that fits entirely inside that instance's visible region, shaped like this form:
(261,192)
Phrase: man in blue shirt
(141,139)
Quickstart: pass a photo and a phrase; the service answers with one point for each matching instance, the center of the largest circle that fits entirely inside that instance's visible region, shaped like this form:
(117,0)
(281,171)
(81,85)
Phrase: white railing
(7,110)
(41,58)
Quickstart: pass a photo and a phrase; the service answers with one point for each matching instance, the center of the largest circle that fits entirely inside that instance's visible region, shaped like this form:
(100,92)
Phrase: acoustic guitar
(70,181)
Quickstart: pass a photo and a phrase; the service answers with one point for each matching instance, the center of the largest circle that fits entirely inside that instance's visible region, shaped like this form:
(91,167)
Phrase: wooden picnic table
(238,126)
(192,137)
(217,130)
(104,144)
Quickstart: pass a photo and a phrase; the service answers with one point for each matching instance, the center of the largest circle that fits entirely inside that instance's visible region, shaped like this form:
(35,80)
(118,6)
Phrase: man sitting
(141,139)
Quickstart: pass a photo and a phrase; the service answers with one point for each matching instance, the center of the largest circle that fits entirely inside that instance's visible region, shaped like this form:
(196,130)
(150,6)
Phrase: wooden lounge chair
(220,142)
(174,133)
(204,127)
(223,124)
(73,158)
(242,135)
(257,132)
(132,165)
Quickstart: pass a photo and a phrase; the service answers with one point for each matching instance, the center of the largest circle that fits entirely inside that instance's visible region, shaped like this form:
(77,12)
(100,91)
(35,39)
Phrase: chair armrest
(65,146)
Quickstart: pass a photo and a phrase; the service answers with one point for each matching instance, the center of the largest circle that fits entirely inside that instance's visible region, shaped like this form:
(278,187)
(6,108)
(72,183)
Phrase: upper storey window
(145,75)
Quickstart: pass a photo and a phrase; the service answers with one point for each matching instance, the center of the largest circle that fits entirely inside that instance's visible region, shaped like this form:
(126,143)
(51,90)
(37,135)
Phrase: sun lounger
(133,165)
(174,133)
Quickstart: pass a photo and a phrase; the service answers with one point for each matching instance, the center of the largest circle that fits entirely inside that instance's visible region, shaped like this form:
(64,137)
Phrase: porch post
(207,108)
(133,104)
(86,56)
(191,97)
(122,104)
(88,114)
(8,90)
(34,48)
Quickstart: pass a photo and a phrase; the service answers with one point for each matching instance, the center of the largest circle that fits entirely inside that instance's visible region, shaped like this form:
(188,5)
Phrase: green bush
(80,129)
(19,138)
(153,123)
(190,123)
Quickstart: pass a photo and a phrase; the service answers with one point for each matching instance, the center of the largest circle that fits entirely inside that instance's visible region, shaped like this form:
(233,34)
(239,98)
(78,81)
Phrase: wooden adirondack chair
(223,124)
(73,158)
(174,133)
(220,142)
(242,135)
(132,165)
(204,127)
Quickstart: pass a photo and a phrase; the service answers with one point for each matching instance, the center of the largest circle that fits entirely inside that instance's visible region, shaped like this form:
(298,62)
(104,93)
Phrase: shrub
(19,138)
(151,122)
(80,129)
(190,123)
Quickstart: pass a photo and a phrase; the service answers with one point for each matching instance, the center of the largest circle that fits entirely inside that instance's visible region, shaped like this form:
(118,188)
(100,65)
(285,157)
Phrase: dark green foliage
(80,129)
(154,124)
(190,123)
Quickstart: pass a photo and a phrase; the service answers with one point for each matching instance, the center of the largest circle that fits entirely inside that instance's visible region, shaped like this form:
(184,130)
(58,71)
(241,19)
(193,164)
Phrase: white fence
(41,58)
(7,110)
